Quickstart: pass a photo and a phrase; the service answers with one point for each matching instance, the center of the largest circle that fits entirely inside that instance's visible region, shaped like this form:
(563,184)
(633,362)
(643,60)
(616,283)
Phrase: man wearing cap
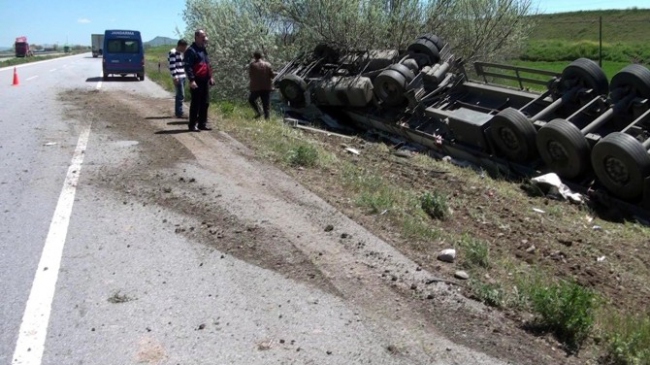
(199,75)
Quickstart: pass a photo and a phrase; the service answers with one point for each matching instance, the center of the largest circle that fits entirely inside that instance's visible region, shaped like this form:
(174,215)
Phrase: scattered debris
(448,255)
(554,188)
(457,162)
(353,151)
(537,210)
(329,228)
(601,259)
(117,298)
(50,144)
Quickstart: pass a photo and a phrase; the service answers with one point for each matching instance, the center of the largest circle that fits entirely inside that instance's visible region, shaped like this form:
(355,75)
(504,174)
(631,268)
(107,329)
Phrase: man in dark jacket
(261,76)
(199,74)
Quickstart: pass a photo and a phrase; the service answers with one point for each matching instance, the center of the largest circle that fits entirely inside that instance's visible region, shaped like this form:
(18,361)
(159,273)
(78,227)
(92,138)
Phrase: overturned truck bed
(593,133)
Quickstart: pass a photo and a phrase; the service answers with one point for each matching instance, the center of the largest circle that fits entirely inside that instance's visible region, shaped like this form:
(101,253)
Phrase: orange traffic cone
(16,82)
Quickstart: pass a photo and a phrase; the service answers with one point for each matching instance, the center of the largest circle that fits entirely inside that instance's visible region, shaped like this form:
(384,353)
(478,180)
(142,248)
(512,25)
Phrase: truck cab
(22,47)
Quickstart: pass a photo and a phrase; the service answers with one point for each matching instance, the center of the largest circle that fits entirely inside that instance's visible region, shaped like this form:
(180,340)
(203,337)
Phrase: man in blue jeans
(177,69)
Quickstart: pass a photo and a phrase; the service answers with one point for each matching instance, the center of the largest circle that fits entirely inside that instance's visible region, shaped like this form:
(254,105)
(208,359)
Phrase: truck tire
(293,87)
(585,73)
(514,135)
(427,45)
(563,148)
(390,85)
(631,79)
(141,77)
(621,165)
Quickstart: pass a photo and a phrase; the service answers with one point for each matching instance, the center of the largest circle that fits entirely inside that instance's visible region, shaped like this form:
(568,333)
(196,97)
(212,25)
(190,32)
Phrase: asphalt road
(68,251)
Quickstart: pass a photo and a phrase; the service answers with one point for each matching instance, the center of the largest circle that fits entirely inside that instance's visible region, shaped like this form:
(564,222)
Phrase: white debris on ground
(556,188)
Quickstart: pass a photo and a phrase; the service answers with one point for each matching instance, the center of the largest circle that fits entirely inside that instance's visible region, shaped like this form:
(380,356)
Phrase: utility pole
(600,38)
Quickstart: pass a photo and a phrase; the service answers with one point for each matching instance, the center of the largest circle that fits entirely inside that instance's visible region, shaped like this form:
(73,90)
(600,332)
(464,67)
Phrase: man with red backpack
(199,74)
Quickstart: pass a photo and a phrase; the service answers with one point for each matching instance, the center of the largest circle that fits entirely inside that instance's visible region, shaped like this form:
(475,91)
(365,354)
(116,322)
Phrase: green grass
(476,252)
(562,50)
(435,205)
(490,294)
(627,26)
(629,339)
(303,155)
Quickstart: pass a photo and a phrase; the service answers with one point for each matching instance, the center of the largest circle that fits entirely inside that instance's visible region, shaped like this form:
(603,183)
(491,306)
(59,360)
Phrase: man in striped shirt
(177,69)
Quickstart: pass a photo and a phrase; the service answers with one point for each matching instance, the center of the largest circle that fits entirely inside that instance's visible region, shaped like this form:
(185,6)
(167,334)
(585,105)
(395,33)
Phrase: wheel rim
(509,138)
(388,90)
(616,170)
(557,151)
(291,91)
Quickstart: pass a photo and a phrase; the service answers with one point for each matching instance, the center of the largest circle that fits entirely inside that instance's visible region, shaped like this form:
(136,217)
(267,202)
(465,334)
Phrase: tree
(476,29)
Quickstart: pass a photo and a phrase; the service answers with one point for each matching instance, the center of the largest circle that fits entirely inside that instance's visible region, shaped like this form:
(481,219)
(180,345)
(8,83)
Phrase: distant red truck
(22,47)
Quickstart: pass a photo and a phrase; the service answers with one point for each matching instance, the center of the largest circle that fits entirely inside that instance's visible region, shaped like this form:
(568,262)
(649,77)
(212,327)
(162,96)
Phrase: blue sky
(54,21)
(561,6)
(72,21)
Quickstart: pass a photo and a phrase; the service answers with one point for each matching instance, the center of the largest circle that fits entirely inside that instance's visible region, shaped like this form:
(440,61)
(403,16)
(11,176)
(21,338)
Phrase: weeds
(476,252)
(227,108)
(629,340)
(435,205)
(566,309)
(490,294)
(303,155)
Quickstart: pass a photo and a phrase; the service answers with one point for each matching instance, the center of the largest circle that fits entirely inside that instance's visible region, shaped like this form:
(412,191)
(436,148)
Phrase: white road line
(31,78)
(35,63)
(52,70)
(33,329)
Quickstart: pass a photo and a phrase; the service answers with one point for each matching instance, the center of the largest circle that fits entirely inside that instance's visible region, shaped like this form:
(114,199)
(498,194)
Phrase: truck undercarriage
(593,133)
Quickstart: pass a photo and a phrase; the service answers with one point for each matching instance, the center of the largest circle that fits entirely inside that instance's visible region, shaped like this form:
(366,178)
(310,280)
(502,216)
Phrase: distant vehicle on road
(123,53)
(97,44)
(22,47)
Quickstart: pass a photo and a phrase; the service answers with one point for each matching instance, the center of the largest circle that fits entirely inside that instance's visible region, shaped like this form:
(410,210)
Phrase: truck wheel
(621,164)
(563,148)
(293,87)
(584,73)
(141,77)
(390,85)
(514,135)
(427,45)
(633,79)
(105,77)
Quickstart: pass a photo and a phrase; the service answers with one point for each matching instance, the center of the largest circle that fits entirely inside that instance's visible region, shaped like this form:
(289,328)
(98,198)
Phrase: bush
(303,155)
(566,309)
(435,205)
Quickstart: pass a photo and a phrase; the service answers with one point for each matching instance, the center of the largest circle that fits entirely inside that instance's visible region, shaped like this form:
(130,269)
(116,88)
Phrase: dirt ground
(168,175)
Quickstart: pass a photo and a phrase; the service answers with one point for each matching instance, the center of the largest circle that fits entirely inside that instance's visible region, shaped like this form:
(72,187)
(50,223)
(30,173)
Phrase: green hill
(627,26)
(567,36)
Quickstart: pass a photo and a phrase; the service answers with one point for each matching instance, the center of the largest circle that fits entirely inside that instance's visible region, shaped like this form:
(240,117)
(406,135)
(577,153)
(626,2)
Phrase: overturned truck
(593,133)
